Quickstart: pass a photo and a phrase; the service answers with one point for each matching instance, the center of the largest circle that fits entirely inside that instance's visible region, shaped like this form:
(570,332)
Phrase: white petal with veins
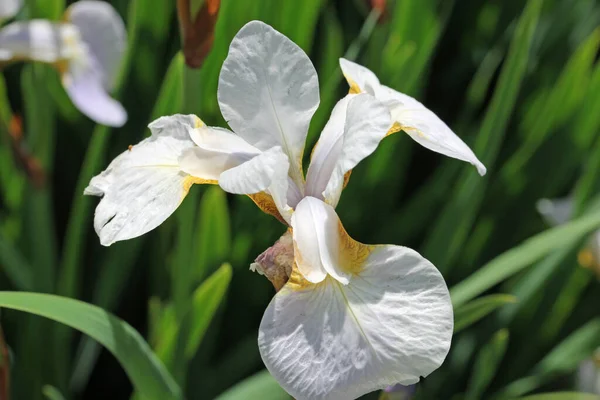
(144,185)
(392,323)
(268,92)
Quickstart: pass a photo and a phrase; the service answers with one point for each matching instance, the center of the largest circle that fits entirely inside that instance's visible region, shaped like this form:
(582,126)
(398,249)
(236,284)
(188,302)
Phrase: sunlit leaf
(141,365)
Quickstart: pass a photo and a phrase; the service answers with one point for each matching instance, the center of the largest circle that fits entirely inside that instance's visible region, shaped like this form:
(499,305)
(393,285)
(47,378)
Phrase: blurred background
(517,80)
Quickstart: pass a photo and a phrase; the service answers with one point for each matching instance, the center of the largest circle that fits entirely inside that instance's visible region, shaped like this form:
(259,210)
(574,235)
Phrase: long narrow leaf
(141,365)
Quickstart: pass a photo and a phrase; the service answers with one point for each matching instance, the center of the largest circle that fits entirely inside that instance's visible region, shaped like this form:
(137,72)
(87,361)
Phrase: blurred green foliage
(519,81)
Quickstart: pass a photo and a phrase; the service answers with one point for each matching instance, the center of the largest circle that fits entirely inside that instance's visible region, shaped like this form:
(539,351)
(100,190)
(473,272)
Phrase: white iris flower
(410,115)
(86,49)
(9,8)
(349,318)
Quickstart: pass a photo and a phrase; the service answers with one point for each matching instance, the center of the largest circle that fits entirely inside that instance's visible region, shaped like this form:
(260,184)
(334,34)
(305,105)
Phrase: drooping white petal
(366,122)
(411,116)
(391,324)
(37,40)
(317,241)
(143,185)
(268,92)
(103,31)
(359,78)
(265,172)
(557,211)
(8,8)
(83,84)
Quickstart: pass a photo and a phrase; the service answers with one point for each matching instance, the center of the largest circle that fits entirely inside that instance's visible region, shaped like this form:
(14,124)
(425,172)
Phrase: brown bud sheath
(198,32)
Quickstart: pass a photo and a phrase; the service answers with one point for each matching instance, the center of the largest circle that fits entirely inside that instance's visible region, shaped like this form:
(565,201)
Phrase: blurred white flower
(411,116)
(350,318)
(559,211)
(588,375)
(9,8)
(86,49)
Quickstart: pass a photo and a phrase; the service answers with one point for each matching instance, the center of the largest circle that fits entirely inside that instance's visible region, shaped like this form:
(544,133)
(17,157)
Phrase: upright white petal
(266,172)
(411,116)
(8,8)
(391,324)
(37,40)
(268,92)
(317,241)
(103,31)
(145,184)
(344,144)
(327,150)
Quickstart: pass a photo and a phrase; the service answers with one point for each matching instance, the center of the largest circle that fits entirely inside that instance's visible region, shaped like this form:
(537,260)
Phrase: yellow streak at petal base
(352,254)
(352,258)
(192,180)
(198,123)
(265,202)
(354,88)
(297,281)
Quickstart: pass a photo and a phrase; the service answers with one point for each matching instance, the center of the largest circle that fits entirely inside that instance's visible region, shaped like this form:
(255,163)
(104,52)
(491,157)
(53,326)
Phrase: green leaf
(147,374)
(564,358)
(213,233)
(520,257)
(486,365)
(578,346)
(561,396)
(205,301)
(52,393)
(562,100)
(452,229)
(39,119)
(259,386)
(475,310)
(170,97)
(15,266)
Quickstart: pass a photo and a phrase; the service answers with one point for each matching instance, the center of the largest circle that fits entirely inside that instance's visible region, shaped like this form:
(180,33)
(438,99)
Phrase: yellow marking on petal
(353,254)
(266,203)
(297,281)
(354,89)
(396,127)
(192,180)
(346,179)
(198,123)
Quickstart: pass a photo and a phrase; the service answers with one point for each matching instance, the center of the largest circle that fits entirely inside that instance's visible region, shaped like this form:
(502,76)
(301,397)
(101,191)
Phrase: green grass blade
(564,358)
(471,312)
(205,301)
(486,365)
(213,233)
(39,123)
(14,265)
(259,386)
(458,216)
(520,257)
(561,396)
(147,374)
(564,97)
(52,393)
